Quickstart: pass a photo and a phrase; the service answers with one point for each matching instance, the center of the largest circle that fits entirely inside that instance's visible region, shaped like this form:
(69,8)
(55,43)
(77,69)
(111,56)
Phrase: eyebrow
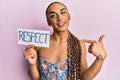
(60,10)
(63,9)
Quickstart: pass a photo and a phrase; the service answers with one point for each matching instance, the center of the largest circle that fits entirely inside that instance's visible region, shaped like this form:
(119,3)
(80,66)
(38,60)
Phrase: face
(58,17)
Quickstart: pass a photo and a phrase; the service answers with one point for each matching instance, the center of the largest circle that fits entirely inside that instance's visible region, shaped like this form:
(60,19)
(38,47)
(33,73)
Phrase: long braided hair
(74,54)
(74,58)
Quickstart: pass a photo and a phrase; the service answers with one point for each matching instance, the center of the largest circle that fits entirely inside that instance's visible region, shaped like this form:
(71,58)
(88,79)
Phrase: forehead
(56,6)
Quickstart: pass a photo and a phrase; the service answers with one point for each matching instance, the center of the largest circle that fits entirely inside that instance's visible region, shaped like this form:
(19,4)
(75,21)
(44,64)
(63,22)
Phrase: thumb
(31,46)
(101,38)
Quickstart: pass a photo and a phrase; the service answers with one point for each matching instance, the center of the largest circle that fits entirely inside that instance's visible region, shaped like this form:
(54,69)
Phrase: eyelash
(52,16)
(63,12)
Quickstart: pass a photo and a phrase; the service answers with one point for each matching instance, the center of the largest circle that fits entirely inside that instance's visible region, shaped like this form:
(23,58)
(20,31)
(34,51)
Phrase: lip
(61,24)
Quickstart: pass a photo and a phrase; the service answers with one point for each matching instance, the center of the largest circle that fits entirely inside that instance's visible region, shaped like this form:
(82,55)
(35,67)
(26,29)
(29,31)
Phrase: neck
(60,36)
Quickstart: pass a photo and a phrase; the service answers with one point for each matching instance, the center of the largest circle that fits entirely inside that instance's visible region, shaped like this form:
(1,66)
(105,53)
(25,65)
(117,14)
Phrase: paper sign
(38,37)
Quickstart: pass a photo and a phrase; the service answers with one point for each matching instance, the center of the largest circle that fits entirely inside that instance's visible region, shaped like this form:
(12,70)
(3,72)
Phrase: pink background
(89,19)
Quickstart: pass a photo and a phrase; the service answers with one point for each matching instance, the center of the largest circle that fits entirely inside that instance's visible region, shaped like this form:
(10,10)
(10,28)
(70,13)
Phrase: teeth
(60,24)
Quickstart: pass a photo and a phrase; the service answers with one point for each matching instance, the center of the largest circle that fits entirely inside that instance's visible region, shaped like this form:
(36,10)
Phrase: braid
(74,58)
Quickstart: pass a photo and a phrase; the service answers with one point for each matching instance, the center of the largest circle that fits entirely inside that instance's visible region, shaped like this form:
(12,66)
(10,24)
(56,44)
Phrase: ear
(69,16)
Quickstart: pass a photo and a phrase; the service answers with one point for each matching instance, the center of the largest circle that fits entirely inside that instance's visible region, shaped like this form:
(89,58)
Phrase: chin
(63,30)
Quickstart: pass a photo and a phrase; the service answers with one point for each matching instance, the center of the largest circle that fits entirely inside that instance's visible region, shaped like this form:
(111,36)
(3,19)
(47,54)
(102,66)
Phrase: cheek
(52,22)
(67,17)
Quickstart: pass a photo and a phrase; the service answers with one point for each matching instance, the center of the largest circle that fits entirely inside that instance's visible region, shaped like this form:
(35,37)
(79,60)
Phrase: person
(65,59)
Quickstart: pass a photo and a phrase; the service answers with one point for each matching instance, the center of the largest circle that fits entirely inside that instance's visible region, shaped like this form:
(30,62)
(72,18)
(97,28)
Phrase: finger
(88,41)
(90,48)
(29,55)
(101,38)
(27,52)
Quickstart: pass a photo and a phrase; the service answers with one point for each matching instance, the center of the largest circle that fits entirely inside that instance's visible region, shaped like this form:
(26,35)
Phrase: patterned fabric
(70,67)
(53,71)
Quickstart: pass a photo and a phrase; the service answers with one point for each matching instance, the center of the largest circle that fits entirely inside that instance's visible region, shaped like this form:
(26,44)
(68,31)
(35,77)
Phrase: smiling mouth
(61,24)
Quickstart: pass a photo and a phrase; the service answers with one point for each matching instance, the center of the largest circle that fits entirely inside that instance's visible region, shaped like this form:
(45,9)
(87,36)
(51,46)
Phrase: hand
(30,54)
(96,47)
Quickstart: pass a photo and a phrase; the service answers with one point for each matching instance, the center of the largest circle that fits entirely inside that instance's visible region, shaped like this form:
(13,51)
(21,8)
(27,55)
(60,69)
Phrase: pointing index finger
(88,41)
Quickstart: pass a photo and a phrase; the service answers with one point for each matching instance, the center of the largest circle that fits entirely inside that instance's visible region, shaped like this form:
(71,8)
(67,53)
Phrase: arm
(33,72)
(97,49)
(30,55)
(84,65)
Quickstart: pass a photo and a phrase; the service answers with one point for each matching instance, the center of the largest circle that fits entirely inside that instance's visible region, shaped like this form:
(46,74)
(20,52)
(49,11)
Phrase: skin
(58,17)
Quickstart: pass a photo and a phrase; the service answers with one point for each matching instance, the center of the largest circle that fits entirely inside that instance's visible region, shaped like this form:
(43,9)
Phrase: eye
(63,12)
(52,15)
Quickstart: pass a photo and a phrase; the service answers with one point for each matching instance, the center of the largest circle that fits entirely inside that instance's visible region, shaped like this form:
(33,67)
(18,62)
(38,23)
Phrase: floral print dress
(53,71)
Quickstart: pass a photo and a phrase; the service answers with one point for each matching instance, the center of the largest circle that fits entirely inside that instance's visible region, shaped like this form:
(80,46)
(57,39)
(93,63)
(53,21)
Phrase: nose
(59,17)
